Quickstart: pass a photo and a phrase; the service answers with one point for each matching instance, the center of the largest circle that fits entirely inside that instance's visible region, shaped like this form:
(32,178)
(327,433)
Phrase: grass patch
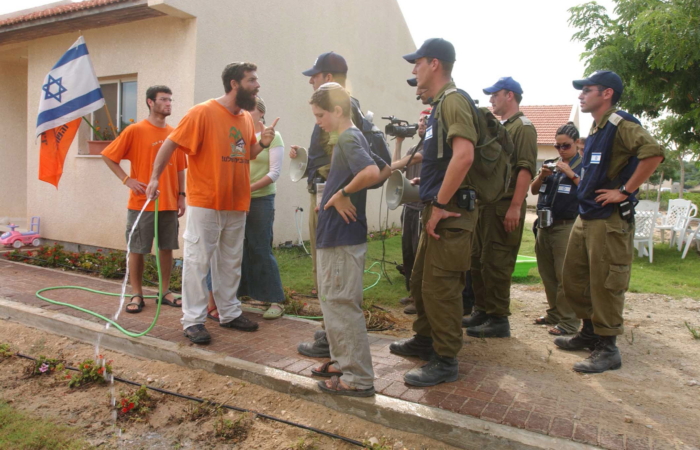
(20,431)
(668,275)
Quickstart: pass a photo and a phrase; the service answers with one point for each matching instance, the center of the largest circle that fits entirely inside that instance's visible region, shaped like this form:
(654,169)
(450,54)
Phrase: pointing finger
(274,124)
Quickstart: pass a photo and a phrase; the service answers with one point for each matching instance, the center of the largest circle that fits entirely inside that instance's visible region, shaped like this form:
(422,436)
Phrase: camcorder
(400,128)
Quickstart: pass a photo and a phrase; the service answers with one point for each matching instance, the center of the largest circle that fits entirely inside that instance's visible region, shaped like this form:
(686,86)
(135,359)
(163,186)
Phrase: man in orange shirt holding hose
(219,138)
(139,143)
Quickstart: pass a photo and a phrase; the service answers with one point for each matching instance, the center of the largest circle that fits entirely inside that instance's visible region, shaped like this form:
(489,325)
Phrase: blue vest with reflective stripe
(596,161)
(434,167)
(559,192)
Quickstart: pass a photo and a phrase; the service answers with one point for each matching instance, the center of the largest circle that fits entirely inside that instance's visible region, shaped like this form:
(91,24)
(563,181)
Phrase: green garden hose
(159,296)
(99,316)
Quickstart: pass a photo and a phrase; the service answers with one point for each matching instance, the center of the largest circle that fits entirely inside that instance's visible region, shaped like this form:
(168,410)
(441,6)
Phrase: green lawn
(20,431)
(669,274)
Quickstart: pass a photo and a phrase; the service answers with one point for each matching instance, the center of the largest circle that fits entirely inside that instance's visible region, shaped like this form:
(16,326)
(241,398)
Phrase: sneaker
(241,323)
(198,334)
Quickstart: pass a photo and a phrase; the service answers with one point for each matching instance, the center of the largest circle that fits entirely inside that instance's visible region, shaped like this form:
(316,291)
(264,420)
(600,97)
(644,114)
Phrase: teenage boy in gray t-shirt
(341,242)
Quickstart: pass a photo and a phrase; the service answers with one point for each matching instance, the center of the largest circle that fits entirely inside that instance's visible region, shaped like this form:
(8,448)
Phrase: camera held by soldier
(400,128)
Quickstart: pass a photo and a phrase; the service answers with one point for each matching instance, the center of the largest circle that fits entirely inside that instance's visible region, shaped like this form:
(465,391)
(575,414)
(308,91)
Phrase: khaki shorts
(142,240)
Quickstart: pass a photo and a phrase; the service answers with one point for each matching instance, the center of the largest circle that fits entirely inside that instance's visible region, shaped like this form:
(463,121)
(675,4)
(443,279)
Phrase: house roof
(547,119)
(55,10)
(65,17)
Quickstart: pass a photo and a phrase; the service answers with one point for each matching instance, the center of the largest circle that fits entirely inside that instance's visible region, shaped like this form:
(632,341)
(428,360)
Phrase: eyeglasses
(562,146)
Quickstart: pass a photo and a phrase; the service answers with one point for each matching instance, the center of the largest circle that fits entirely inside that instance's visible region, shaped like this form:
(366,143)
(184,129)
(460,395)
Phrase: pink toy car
(16,239)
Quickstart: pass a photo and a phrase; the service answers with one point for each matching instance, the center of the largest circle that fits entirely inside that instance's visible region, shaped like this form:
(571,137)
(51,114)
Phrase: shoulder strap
(526,121)
(438,119)
(615,119)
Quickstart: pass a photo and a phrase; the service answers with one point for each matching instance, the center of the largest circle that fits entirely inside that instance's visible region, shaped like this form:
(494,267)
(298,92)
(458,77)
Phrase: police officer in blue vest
(618,157)
(442,259)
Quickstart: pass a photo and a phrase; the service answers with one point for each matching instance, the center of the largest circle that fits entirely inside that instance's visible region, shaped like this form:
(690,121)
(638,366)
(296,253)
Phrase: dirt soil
(171,424)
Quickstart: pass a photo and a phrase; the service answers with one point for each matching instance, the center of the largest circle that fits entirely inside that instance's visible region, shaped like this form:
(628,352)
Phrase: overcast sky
(528,40)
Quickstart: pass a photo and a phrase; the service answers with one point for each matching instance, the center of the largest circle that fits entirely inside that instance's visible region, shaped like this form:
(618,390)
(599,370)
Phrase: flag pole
(109,120)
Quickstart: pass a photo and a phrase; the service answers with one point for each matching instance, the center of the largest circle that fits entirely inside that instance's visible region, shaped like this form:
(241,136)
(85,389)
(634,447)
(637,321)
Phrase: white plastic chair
(676,219)
(644,222)
(691,235)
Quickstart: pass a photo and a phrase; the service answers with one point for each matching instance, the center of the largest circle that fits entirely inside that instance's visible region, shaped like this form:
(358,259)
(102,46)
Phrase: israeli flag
(70,90)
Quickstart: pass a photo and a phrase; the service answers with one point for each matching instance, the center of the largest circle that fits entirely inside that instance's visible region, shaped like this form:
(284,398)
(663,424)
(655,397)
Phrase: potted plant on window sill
(103,137)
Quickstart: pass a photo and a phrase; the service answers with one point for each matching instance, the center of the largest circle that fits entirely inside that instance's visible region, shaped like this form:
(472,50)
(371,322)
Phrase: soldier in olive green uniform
(619,156)
(438,277)
(500,228)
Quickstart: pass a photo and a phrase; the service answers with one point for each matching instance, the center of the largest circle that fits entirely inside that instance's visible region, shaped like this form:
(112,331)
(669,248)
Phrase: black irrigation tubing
(233,408)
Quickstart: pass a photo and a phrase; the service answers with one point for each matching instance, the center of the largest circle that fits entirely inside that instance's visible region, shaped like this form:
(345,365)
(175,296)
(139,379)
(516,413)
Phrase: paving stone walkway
(505,395)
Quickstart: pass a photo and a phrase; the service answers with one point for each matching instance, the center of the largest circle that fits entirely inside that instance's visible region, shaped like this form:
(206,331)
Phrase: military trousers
(550,248)
(438,280)
(494,256)
(597,271)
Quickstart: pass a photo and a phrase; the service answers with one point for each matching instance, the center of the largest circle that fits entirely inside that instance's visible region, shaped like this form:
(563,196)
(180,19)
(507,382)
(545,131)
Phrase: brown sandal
(556,331)
(324,370)
(139,304)
(337,389)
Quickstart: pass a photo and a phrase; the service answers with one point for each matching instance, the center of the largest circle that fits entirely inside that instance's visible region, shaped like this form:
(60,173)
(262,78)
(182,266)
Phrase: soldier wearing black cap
(328,67)
(438,277)
(619,156)
(500,229)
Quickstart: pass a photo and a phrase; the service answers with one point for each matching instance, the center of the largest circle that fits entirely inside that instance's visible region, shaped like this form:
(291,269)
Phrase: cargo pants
(597,271)
(438,280)
(550,248)
(494,256)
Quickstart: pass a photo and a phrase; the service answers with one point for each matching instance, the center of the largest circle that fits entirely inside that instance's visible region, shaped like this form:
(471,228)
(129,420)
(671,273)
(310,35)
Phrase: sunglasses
(562,146)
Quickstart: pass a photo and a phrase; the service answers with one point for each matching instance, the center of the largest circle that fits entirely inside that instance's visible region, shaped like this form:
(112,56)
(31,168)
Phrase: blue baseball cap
(507,83)
(433,48)
(606,78)
(328,62)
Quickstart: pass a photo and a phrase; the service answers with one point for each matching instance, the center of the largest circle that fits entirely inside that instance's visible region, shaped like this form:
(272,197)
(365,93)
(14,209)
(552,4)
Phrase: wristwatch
(264,146)
(183,194)
(575,176)
(345,194)
(437,204)
(624,191)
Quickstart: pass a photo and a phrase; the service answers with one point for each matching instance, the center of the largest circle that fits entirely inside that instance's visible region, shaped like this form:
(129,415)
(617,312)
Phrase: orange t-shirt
(217,144)
(139,143)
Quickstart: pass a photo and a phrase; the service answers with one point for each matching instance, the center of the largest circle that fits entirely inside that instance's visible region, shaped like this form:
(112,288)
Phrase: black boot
(606,356)
(420,346)
(319,348)
(584,339)
(440,369)
(475,319)
(493,327)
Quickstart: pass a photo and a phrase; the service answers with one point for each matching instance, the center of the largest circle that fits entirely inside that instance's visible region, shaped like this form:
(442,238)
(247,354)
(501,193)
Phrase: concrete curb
(454,429)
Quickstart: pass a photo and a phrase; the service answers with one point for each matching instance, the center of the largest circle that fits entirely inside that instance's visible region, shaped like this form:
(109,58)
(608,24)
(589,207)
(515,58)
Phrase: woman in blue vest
(557,208)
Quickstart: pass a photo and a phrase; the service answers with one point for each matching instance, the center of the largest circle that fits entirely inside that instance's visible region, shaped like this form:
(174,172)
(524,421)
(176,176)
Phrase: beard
(246,99)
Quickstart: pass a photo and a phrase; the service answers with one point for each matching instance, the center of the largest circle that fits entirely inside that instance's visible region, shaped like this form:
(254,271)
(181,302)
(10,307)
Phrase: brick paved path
(507,395)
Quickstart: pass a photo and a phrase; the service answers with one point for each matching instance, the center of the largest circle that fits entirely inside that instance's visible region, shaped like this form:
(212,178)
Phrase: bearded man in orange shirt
(139,144)
(218,137)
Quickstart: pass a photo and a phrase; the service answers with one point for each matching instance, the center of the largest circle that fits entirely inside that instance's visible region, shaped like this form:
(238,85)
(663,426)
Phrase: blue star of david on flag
(47,88)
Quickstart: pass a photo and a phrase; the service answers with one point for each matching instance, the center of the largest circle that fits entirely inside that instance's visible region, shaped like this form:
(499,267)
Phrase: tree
(654,45)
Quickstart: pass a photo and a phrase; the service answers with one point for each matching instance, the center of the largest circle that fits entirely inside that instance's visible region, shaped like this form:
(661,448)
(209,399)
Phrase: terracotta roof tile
(547,119)
(57,11)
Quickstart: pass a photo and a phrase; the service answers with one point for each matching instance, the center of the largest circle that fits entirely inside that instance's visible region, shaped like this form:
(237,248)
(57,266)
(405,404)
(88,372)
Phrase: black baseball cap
(328,62)
(434,48)
(412,82)
(606,78)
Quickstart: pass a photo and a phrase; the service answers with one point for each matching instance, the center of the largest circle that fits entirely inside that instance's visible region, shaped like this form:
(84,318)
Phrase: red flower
(124,410)
(86,366)
(131,406)
(123,402)
(101,370)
